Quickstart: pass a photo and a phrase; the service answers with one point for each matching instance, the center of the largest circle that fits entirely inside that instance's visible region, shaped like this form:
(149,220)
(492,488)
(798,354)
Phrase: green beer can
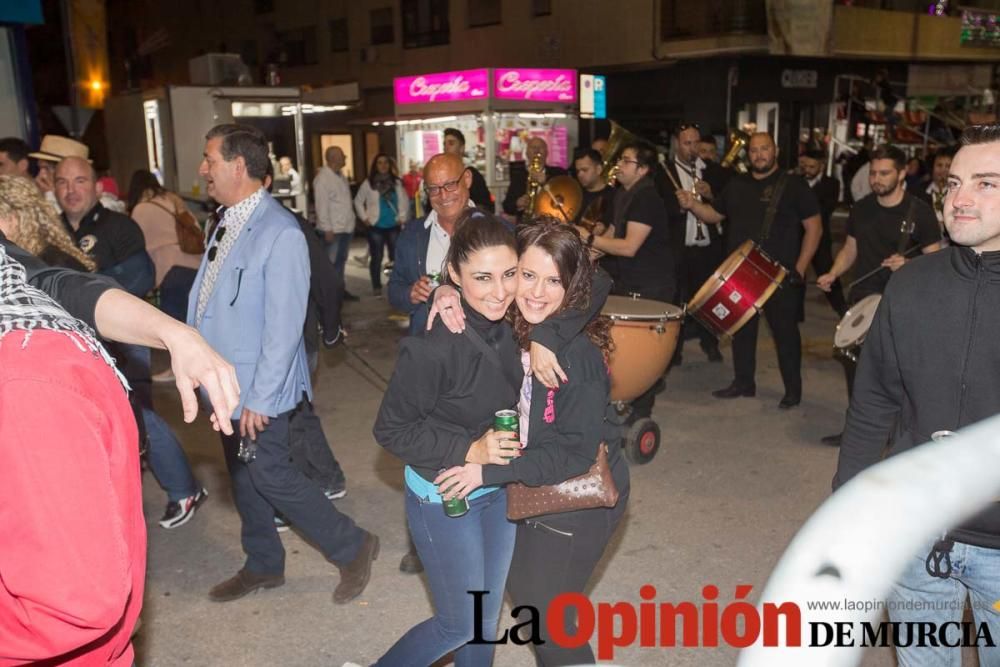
(506,420)
(455,507)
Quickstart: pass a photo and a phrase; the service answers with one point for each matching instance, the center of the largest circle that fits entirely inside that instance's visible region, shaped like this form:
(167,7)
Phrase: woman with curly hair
(28,219)
(560,432)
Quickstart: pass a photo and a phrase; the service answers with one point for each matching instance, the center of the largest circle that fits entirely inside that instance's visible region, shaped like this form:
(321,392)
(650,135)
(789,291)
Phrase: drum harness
(770,212)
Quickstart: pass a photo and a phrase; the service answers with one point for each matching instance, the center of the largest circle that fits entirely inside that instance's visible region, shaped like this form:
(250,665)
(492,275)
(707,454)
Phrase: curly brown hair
(576,272)
(38,226)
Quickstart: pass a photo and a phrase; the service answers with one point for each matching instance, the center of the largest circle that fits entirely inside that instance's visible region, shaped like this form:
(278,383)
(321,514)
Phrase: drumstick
(677,186)
(555,201)
(877,269)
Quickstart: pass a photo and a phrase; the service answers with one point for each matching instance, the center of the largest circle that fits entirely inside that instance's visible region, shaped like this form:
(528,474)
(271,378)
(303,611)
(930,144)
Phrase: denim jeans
(272,482)
(468,553)
(378,239)
(167,460)
(136,274)
(337,251)
(976,575)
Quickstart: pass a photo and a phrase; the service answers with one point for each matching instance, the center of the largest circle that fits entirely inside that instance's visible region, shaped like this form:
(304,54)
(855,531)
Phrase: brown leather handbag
(594,488)
(189,235)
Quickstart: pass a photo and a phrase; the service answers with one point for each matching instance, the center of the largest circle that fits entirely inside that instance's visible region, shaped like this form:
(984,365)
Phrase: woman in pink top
(154,209)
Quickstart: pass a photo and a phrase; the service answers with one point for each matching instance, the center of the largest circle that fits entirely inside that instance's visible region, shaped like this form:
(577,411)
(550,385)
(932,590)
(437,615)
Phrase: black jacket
(107,236)
(827,192)
(930,362)
(326,292)
(565,426)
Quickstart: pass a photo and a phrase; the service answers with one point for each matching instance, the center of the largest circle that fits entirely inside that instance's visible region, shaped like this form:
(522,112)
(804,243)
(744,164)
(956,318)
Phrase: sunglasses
(688,126)
(214,250)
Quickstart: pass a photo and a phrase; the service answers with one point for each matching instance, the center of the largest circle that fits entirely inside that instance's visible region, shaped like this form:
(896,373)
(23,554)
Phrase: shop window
(483,13)
(541,7)
(338,35)
(425,23)
(298,46)
(383,30)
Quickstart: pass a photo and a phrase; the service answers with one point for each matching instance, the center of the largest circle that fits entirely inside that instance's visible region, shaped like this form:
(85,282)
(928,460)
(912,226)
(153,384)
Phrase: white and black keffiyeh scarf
(26,308)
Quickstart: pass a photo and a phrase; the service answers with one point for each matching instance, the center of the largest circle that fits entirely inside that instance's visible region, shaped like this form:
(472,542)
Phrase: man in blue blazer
(423,243)
(249,301)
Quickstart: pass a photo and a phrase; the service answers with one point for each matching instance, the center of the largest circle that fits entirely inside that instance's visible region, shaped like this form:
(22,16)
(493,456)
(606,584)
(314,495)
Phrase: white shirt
(695,233)
(437,246)
(334,207)
(937,197)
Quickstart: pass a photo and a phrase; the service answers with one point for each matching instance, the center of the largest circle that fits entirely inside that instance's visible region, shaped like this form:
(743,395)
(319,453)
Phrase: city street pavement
(732,483)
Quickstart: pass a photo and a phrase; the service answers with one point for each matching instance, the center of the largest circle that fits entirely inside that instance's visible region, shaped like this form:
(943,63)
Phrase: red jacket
(72,536)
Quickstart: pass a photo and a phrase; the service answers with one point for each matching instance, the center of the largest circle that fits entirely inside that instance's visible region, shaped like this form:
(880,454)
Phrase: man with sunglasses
(249,300)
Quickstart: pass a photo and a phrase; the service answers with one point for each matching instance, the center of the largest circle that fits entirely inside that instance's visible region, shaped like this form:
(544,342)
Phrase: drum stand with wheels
(640,435)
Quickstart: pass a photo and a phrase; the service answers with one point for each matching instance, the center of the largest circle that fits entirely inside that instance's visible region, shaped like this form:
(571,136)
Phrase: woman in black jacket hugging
(437,413)
(560,433)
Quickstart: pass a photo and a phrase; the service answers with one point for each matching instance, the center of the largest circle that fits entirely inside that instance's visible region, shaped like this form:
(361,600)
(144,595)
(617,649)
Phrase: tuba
(619,138)
(738,140)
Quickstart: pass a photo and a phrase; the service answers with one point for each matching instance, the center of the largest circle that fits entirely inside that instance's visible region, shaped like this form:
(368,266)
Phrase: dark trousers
(822,261)
(782,311)
(310,449)
(378,239)
(699,263)
(272,482)
(557,554)
(174,291)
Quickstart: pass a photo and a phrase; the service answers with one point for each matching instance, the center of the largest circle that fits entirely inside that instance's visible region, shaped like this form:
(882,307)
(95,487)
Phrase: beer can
(455,507)
(506,420)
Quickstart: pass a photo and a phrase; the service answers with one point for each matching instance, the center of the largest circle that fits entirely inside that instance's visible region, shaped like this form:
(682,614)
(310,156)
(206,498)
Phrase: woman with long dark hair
(382,206)
(560,432)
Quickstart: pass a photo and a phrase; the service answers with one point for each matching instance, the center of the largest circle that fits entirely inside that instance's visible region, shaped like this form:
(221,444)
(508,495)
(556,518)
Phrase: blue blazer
(411,255)
(255,315)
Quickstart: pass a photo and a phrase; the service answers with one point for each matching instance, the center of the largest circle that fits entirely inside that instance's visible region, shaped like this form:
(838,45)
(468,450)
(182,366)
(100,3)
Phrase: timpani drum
(645,334)
(854,325)
(737,290)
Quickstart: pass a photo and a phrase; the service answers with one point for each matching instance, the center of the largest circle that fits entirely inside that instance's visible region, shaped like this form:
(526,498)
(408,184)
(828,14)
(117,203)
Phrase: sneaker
(180,512)
(336,492)
(281,523)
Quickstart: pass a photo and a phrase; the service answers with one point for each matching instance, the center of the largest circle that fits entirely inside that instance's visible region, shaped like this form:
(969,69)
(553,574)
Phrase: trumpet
(535,167)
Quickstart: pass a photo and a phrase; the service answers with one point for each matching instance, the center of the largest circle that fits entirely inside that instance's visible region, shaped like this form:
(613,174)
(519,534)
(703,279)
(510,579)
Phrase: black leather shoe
(831,440)
(735,391)
(243,583)
(354,576)
(788,401)
(411,563)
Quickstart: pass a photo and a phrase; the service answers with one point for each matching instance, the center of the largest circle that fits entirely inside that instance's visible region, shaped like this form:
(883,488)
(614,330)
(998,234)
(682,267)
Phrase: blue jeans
(470,553)
(272,482)
(337,251)
(378,239)
(976,574)
(174,291)
(167,460)
(136,274)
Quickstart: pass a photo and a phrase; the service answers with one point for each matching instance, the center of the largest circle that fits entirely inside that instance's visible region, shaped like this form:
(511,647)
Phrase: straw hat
(55,148)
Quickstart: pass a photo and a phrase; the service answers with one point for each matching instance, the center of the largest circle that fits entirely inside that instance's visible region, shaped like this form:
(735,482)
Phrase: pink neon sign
(535,85)
(469,84)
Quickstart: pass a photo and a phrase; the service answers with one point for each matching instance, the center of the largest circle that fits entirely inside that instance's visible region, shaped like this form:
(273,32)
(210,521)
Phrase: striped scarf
(26,308)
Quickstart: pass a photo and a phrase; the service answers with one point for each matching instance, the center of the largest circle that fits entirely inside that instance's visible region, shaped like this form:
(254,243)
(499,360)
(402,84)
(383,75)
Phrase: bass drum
(645,334)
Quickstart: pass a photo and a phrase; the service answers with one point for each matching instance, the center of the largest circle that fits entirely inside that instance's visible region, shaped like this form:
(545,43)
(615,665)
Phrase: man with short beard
(827,191)
(929,367)
(874,236)
(792,239)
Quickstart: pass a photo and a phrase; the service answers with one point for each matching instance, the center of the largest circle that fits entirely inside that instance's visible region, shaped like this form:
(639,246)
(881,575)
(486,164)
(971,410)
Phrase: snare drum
(737,290)
(645,335)
(854,326)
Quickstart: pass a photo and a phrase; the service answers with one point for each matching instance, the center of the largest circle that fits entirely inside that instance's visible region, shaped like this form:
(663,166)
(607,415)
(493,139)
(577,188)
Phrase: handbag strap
(176,214)
(491,354)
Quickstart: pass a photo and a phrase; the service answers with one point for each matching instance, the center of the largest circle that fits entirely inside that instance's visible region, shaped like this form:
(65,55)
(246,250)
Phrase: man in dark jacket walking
(920,378)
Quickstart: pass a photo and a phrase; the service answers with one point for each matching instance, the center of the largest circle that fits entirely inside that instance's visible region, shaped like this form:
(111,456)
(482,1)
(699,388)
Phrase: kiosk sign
(469,84)
(535,85)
